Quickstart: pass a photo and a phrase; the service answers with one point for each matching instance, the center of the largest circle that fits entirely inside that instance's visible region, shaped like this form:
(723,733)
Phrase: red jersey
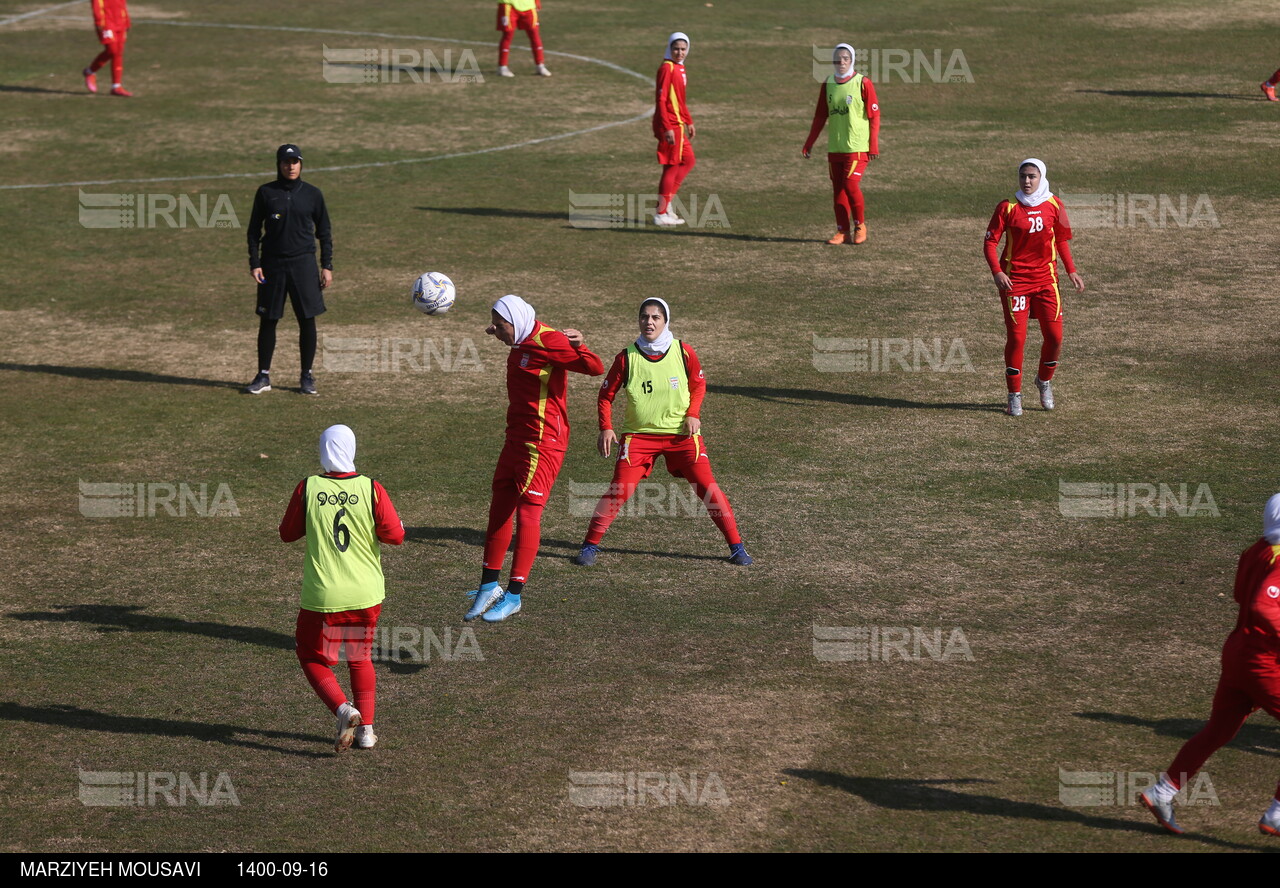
(537,383)
(110,15)
(1034,238)
(869,101)
(1257,592)
(617,379)
(387,523)
(670,110)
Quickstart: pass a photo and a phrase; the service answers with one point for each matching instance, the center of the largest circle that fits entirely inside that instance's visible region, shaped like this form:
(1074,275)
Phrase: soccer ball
(433,293)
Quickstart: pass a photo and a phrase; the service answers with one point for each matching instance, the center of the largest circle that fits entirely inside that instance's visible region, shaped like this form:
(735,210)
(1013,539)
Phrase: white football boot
(1015,404)
(504,71)
(543,72)
(365,738)
(1046,393)
(348,721)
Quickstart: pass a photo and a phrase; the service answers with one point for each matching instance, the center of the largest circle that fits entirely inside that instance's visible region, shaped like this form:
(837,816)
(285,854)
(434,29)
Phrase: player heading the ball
(538,365)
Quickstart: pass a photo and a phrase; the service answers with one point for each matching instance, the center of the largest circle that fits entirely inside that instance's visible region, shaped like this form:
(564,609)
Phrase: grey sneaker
(1046,393)
(261,383)
(1162,811)
(307,384)
(1269,825)
(1015,404)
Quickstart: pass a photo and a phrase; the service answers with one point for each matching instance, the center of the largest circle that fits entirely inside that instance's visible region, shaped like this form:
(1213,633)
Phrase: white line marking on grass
(27,15)
(353,166)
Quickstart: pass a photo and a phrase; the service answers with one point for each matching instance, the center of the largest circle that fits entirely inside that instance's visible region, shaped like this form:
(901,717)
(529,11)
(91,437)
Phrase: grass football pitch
(663,700)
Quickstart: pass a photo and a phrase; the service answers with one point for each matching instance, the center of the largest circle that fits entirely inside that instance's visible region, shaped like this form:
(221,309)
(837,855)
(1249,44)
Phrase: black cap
(288,152)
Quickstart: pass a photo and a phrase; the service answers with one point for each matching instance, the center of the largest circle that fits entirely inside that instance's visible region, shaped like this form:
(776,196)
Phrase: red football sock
(699,474)
(321,679)
(102,58)
(1014,342)
(528,538)
(364,683)
(621,489)
(1051,348)
(504,48)
(1230,709)
(535,42)
(1274,78)
(502,509)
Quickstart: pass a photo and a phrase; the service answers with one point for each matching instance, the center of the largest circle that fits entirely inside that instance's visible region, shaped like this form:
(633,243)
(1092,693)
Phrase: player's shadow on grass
(496,212)
(10,88)
(1171,94)
(1261,738)
(68,716)
(932,795)
(782,395)
(128,617)
(632,226)
(473,537)
(118,375)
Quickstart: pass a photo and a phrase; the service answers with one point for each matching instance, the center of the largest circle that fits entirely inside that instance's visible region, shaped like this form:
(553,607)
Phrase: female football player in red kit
(1036,231)
(521,15)
(848,101)
(344,516)
(673,127)
(537,437)
(1250,675)
(111,19)
(665,386)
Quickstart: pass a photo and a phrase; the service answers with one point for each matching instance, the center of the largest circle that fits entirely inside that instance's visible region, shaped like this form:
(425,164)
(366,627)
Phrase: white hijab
(853,57)
(678,35)
(1271,520)
(338,449)
(1041,194)
(518,313)
(660,345)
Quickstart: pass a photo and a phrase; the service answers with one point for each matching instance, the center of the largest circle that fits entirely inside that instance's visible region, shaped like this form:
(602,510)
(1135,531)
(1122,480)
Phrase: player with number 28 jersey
(1036,232)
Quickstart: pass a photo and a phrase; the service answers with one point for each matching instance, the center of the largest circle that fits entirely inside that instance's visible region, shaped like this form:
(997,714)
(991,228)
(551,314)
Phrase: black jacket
(295,218)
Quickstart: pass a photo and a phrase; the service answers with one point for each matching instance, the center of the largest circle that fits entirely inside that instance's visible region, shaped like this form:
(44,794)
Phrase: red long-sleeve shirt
(537,385)
(671,111)
(387,524)
(1036,237)
(1257,591)
(110,15)
(869,101)
(616,379)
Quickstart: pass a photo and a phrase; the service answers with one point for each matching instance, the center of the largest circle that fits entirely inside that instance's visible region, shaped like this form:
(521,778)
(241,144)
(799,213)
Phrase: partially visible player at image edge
(344,516)
(1269,86)
(111,21)
(673,127)
(1036,231)
(1250,677)
(665,385)
(522,15)
(537,436)
(847,100)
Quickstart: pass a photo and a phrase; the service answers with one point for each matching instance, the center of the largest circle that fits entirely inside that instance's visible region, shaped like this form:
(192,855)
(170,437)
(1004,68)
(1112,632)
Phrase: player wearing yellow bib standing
(522,15)
(848,107)
(665,386)
(344,516)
